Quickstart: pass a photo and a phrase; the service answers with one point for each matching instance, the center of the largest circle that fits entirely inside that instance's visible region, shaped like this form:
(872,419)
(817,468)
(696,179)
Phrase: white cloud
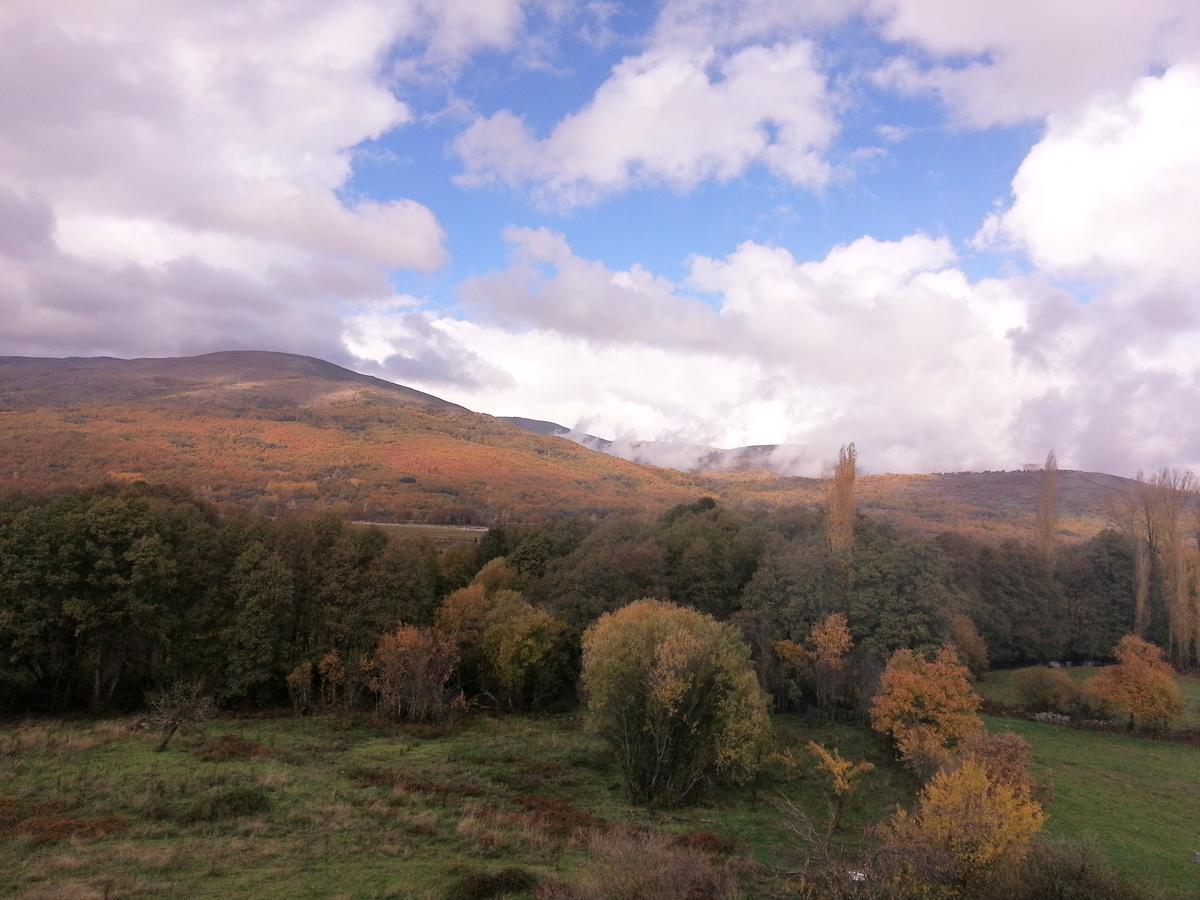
(1000,63)
(1114,190)
(1107,198)
(673,115)
(882,342)
(175,136)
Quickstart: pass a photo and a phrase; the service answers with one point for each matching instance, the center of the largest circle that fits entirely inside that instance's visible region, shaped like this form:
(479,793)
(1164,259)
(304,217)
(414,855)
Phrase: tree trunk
(167,737)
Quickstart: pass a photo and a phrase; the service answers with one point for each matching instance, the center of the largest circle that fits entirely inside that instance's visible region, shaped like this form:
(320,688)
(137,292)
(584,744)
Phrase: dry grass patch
(229,746)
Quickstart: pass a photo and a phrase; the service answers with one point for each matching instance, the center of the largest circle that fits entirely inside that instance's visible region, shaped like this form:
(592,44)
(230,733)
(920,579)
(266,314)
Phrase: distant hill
(275,431)
(781,459)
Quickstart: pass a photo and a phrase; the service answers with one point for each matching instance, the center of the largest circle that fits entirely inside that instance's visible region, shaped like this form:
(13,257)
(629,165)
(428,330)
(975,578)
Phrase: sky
(956,232)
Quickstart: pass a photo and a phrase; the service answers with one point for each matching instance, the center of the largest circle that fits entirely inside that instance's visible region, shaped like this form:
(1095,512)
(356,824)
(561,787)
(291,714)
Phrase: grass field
(327,807)
(999,686)
(1135,799)
(331,807)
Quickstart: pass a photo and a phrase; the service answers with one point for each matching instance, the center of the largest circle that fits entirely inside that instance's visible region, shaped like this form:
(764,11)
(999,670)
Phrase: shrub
(927,707)
(843,776)
(299,685)
(511,651)
(411,668)
(227,803)
(674,692)
(1141,686)
(1064,871)
(1042,689)
(965,826)
(969,644)
(527,654)
(1004,757)
(182,705)
(629,864)
(480,885)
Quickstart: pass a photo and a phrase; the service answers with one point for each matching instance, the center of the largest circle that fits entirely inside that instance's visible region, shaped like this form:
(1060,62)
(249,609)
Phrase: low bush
(1064,871)
(479,885)
(632,864)
(1043,689)
(228,803)
(226,747)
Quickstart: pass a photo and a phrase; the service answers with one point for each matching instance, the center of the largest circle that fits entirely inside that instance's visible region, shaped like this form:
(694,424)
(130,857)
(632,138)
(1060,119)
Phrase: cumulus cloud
(652,120)
(1113,190)
(885,342)
(1001,63)
(1107,199)
(190,158)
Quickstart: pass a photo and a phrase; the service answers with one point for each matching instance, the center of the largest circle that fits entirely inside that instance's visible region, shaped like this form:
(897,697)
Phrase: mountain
(275,431)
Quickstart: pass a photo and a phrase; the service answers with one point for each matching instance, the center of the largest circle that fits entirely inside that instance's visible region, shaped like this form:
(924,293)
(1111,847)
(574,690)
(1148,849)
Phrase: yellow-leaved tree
(831,643)
(927,708)
(965,825)
(674,692)
(842,775)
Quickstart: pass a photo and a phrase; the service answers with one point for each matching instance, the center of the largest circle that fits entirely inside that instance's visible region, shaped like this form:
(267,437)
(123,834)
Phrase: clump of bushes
(410,672)
(512,652)
(228,803)
(1043,689)
(480,885)
(631,864)
(674,692)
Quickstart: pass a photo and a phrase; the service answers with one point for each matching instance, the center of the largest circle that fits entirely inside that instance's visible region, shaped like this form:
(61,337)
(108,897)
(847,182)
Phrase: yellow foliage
(843,776)
(965,824)
(831,640)
(675,693)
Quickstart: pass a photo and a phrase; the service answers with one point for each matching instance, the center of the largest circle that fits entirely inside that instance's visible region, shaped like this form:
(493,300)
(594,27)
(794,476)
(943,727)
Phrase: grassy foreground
(1135,799)
(326,807)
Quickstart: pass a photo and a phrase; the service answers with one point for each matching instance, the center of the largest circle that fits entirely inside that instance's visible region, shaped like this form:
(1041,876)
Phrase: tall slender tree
(840,503)
(1173,491)
(1135,517)
(1047,518)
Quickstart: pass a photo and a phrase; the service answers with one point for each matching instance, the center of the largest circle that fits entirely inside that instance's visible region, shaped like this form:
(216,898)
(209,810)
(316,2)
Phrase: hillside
(274,431)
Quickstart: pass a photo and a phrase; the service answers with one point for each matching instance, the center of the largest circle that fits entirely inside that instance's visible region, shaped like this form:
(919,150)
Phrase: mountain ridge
(273,431)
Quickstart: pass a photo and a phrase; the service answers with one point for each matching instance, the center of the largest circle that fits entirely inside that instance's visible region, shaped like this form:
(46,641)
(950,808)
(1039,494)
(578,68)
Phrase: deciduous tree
(964,827)
(1141,686)
(411,668)
(840,502)
(675,694)
(1047,515)
(843,777)
(927,707)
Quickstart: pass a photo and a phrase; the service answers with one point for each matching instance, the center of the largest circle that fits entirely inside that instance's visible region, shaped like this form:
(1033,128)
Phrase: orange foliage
(927,707)
(1141,686)
(293,444)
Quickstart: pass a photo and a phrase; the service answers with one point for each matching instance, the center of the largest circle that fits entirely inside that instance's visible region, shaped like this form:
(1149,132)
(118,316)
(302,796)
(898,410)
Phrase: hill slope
(273,431)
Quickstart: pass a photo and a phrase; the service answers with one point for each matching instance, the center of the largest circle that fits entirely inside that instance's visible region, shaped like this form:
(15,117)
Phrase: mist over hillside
(276,431)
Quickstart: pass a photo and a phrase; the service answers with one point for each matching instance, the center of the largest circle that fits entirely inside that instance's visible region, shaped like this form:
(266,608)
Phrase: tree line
(110,592)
